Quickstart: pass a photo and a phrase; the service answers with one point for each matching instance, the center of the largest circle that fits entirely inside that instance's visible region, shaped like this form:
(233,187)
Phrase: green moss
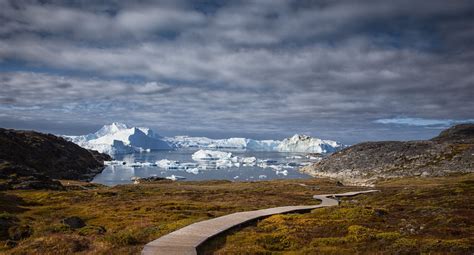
(405,245)
(329,241)
(123,238)
(275,242)
(56,228)
(388,236)
(358,233)
(92,230)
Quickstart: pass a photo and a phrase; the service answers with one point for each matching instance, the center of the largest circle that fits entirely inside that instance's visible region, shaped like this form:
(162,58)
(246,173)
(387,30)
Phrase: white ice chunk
(193,170)
(205,155)
(175,177)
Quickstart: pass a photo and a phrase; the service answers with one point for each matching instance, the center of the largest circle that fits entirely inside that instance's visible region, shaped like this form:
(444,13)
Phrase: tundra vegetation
(409,215)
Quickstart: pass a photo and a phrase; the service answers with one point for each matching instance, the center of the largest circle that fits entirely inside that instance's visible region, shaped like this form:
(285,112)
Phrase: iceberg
(176,165)
(304,143)
(296,143)
(208,159)
(235,143)
(207,155)
(118,138)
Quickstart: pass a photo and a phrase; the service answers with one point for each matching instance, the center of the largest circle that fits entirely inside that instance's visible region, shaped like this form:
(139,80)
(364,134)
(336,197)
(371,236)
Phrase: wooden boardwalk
(186,240)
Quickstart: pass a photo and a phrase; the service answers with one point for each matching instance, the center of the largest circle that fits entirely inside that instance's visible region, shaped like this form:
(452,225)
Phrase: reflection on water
(277,166)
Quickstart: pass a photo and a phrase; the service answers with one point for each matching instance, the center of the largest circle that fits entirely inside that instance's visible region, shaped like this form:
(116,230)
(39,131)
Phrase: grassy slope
(409,216)
(133,215)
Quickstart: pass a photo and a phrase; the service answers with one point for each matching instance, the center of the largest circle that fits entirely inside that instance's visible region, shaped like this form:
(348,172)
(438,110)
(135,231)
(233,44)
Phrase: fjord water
(122,174)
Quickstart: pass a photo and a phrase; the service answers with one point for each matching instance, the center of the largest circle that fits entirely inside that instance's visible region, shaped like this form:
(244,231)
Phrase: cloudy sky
(336,69)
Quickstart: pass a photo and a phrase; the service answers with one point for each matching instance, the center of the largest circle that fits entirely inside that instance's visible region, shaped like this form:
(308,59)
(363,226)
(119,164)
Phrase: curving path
(186,240)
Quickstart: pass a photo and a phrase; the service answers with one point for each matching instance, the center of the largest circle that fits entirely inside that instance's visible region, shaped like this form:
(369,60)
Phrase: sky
(344,70)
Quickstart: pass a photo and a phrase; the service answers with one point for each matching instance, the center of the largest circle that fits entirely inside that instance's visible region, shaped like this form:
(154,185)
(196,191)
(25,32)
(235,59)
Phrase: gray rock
(74,222)
(366,163)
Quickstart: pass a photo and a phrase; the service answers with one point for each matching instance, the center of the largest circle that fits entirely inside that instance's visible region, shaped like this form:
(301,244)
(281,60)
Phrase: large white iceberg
(304,143)
(118,138)
(206,155)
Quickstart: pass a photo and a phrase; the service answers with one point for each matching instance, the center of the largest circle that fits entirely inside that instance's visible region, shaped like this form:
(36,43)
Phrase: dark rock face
(74,222)
(363,164)
(23,177)
(30,159)
(149,179)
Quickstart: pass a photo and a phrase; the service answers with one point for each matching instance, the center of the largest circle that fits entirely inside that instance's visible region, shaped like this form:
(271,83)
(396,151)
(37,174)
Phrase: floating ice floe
(175,177)
(207,160)
(193,170)
(114,163)
(207,155)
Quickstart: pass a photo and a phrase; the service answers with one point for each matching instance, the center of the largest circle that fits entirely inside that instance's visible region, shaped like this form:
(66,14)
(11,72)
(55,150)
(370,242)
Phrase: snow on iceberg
(118,138)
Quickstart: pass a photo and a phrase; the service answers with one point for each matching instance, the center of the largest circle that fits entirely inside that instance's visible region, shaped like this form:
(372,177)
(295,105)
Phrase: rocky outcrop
(30,159)
(462,133)
(365,163)
(23,177)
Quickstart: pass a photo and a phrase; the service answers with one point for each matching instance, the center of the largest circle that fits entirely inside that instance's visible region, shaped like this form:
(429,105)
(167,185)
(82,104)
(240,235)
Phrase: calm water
(119,174)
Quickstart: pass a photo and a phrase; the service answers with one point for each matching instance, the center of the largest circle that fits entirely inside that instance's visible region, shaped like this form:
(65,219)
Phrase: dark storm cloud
(328,68)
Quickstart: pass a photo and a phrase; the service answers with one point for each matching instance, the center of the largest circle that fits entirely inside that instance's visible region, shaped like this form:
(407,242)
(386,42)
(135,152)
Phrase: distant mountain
(30,159)
(365,163)
(118,138)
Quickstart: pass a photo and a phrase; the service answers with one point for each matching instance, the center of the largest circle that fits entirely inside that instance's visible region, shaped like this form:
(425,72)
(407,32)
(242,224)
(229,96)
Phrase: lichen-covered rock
(365,163)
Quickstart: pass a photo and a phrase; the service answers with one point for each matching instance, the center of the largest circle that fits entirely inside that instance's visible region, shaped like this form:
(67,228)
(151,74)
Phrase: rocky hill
(30,159)
(365,163)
